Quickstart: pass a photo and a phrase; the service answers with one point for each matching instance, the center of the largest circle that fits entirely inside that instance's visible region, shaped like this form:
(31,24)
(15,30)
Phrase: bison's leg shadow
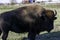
(25,38)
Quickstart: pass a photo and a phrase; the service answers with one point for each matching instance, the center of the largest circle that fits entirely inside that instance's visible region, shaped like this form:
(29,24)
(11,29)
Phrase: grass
(44,35)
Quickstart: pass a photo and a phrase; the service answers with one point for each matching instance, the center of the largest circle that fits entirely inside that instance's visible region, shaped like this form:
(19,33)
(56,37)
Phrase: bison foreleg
(31,36)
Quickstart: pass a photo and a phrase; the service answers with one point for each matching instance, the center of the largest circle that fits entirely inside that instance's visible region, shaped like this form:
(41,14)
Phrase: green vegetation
(15,36)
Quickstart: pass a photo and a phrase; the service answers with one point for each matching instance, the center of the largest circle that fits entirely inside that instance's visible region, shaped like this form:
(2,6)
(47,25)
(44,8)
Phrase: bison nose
(55,18)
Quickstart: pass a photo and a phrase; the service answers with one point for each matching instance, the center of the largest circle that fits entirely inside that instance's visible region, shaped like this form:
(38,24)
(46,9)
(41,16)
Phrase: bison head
(49,17)
(51,14)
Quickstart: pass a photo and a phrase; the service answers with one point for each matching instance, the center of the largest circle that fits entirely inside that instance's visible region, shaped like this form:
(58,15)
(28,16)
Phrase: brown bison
(32,19)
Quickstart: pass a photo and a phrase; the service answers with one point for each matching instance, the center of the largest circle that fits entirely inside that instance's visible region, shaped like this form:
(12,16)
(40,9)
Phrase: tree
(50,0)
(33,0)
(13,2)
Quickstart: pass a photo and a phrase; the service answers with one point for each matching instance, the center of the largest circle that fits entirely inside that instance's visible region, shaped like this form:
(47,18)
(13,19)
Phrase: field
(55,33)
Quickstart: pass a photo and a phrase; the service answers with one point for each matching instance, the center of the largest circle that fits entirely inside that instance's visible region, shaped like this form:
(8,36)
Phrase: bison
(32,19)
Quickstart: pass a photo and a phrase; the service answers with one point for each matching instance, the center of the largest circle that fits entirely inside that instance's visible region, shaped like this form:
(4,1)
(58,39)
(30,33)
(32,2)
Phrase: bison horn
(55,13)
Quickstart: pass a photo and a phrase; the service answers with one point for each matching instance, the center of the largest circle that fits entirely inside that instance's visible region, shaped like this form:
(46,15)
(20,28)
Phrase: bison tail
(1,21)
(0,32)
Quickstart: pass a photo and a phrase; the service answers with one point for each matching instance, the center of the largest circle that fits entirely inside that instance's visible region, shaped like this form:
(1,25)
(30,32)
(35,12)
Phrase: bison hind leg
(5,35)
(5,31)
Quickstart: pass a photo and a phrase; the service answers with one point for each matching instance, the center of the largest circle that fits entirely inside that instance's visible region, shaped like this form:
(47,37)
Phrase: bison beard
(25,19)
